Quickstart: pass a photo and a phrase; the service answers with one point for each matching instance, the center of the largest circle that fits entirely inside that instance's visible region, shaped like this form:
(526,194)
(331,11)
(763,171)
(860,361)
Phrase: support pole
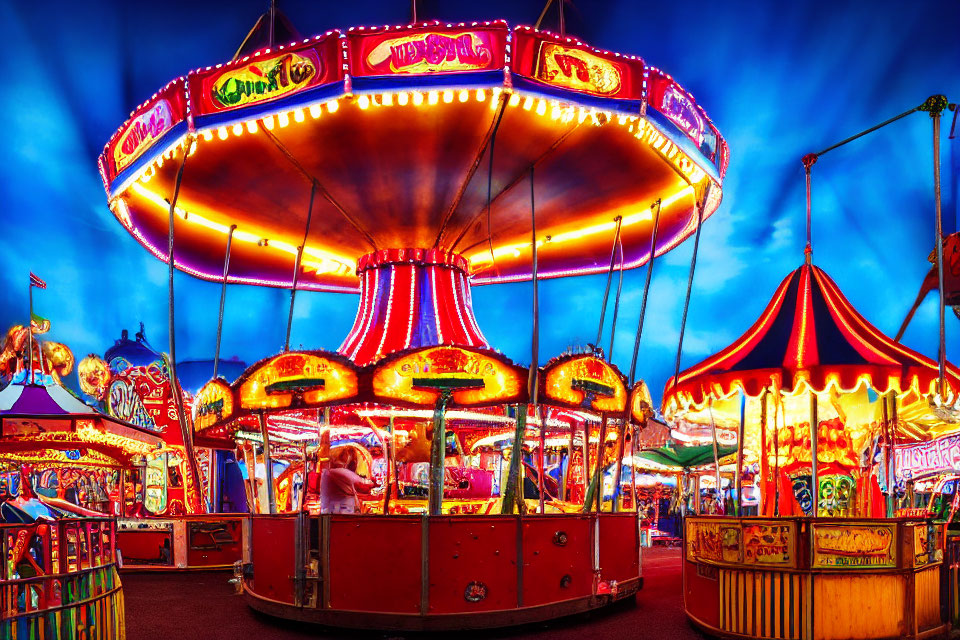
(540,461)
(693,265)
(390,449)
(595,490)
(814,436)
(621,440)
(738,503)
(534,375)
(616,303)
(646,290)
(764,454)
(438,451)
(606,291)
(510,492)
(223,299)
(716,451)
(172,362)
(268,465)
(935,112)
(296,265)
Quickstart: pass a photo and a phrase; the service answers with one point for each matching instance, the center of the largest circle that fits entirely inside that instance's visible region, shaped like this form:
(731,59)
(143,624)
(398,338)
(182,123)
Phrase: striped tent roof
(808,336)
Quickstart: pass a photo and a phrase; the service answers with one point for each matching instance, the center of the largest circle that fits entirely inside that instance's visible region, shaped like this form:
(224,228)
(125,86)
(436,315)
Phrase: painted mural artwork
(838,546)
(768,543)
(714,542)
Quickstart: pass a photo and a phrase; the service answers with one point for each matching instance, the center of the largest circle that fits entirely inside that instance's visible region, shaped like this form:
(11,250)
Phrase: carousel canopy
(423,136)
(809,336)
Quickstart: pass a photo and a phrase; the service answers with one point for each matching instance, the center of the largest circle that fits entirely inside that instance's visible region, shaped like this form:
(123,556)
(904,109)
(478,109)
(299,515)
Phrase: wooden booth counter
(814,578)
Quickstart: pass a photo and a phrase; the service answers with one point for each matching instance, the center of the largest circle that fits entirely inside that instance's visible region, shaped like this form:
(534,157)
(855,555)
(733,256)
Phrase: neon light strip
(413,306)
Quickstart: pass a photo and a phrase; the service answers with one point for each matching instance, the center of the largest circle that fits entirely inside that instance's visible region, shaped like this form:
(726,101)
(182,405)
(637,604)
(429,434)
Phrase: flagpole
(30,329)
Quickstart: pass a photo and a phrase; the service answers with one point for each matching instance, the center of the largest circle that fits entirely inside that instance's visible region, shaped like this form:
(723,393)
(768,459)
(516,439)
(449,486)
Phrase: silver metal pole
(646,291)
(942,355)
(296,265)
(223,299)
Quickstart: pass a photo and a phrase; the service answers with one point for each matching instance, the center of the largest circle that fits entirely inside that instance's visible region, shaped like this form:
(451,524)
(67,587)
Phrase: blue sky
(778,79)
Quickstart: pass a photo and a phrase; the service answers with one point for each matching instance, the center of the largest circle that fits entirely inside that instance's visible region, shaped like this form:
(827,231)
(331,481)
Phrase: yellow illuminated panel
(586,382)
(578,70)
(213,403)
(492,380)
(641,404)
(313,378)
(263,80)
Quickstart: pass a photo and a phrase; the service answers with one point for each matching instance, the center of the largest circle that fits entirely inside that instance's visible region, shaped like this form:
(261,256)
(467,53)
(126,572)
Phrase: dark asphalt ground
(190,606)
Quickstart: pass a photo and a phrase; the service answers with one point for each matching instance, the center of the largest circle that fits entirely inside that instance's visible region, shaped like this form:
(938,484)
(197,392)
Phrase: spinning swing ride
(409,163)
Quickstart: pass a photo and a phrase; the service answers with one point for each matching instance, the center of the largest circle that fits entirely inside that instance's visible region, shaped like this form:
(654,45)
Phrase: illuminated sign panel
(559,63)
(586,382)
(577,69)
(413,378)
(265,80)
(213,403)
(142,396)
(426,50)
(145,127)
(304,378)
(261,79)
(641,404)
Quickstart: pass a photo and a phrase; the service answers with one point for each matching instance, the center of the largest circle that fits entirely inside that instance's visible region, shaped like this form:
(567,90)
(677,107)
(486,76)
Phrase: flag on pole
(37,282)
(39,324)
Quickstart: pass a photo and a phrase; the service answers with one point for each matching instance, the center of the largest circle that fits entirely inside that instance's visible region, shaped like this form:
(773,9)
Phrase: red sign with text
(427,50)
(670,99)
(554,61)
(267,77)
(147,124)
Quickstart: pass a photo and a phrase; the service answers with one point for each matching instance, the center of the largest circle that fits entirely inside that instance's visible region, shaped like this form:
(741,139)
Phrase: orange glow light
(394,380)
(214,403)
(578,381)
(315,379)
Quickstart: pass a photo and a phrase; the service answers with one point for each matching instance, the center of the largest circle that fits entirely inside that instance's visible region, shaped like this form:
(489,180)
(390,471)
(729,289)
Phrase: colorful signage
(577,69)
(585,382)
(297,378)
(142,132)
(423,51)
(848,545)
(212,404)
(667,97)
(474,378)
(560,63)
(265,78)
(142,396)
(147,125)
(928,457)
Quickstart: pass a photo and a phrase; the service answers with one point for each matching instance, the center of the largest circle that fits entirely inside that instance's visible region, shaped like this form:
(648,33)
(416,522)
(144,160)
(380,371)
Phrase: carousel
(407,164)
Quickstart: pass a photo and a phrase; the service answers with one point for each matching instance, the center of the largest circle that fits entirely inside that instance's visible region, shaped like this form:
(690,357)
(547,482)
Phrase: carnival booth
(407,163)
(174,498)
(826,534)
